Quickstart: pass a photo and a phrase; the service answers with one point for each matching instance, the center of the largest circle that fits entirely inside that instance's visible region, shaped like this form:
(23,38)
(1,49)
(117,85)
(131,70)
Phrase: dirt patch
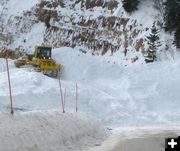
(45,15)
(140,45)
(100,3)
(51,4)
(13,54)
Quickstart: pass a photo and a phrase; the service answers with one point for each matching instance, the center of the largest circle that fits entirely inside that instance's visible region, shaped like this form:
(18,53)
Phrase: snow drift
(134,96)
(48,131)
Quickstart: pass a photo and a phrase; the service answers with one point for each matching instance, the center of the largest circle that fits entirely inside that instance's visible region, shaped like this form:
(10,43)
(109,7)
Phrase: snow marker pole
(10,93)
(62,102)
(76,98)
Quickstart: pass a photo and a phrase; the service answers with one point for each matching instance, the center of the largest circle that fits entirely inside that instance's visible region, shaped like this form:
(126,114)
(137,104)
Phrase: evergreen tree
(170,14)
(172,19)
(154,43)
(130,5)
(177,30)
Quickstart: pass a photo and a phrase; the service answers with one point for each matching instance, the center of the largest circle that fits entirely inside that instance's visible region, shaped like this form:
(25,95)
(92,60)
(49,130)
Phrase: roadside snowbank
(48,131)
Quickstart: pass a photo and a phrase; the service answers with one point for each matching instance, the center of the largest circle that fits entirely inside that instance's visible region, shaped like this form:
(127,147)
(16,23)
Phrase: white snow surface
(18,6)
(146,95)
(48,131)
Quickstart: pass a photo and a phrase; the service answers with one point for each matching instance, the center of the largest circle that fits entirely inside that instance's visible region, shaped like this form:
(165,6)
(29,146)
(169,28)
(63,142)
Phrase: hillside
(98,28)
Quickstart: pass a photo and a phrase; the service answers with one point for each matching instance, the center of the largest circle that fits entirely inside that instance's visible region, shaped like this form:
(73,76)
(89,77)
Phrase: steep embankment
(94,27)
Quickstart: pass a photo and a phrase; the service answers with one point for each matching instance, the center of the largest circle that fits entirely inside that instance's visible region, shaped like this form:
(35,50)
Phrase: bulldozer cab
(43,52)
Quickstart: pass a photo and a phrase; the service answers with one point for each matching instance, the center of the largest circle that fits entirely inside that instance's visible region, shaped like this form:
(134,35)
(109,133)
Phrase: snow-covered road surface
(138,139)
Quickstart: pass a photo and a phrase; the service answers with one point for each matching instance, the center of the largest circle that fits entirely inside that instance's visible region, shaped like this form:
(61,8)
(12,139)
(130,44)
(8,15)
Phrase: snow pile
(134,96)
(50,130)
(138,95)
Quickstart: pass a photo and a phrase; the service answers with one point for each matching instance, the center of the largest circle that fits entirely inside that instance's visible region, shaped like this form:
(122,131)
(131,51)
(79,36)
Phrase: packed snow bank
(45,131)
(138,139)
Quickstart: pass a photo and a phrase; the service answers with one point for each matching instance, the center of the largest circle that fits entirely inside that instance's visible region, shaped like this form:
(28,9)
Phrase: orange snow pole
(10,93)
(76,97)
(62,102)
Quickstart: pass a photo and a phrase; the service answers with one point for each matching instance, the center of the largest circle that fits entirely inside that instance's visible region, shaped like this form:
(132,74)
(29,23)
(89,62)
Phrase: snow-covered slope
(134,96)
(94,28)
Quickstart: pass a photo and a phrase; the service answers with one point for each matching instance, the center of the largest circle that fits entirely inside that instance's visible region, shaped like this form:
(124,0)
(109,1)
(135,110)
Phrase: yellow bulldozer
(41,61)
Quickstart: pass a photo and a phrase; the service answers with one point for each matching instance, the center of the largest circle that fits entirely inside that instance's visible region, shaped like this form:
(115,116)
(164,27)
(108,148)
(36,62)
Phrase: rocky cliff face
(96,27)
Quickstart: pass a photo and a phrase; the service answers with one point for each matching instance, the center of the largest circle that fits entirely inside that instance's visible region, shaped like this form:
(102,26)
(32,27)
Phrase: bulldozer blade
(52,73)
(19,63)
